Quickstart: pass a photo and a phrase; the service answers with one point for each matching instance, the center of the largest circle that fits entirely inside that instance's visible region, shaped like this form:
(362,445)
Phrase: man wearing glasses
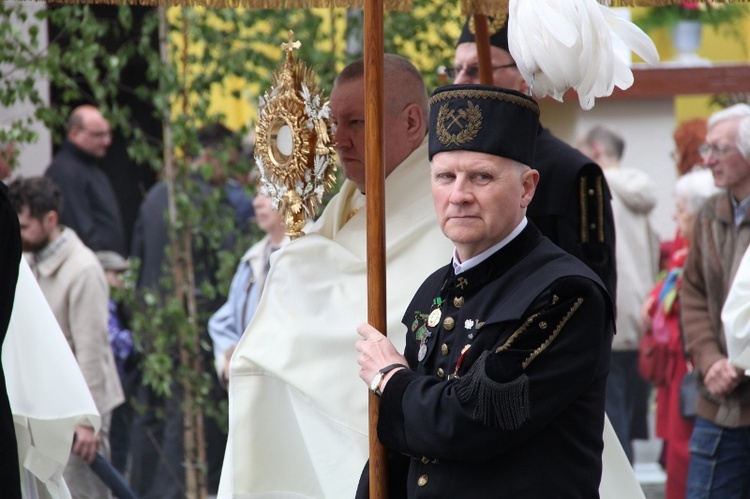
(91,208)
(572,202)
(719,452)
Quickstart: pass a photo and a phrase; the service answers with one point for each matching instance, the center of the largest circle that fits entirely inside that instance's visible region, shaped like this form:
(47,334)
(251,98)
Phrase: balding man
(298,415)
(91,208)
(572,202)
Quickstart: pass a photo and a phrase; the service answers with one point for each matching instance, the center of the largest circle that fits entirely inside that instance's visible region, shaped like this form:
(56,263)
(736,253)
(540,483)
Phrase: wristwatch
(378,379)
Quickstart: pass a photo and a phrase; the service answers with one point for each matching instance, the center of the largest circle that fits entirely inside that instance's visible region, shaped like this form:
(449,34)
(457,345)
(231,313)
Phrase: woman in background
(661,315)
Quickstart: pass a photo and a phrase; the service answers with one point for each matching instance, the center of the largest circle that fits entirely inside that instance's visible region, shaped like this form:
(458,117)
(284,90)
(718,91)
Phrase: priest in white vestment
(298,417)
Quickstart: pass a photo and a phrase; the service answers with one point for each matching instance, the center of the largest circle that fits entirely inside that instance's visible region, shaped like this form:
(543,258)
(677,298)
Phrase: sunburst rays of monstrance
(293,142)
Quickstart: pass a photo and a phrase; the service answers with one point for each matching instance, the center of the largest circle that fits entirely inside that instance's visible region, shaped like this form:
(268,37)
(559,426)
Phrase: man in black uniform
(572,201)
(500,392)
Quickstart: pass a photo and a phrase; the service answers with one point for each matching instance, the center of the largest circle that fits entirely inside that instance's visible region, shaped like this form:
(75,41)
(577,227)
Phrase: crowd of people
(522,275)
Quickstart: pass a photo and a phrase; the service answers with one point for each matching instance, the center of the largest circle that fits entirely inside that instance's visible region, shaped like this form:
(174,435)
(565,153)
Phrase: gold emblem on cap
(467,122)
(494,24)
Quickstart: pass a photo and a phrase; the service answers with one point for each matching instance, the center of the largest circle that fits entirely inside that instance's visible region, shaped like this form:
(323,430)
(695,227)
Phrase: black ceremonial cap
(484,119)
(497,28)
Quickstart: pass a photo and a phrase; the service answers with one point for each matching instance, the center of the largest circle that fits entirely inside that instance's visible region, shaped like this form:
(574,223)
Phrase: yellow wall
(717,48)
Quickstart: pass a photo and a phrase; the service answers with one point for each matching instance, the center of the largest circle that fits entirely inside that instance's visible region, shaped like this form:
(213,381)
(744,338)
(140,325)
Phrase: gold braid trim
(554,334)
(485,94)
(582,192)
(600,208)
(518,332)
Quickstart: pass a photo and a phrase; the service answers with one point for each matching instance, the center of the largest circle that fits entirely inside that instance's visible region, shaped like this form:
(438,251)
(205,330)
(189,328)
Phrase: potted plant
(714,14)
(685,22)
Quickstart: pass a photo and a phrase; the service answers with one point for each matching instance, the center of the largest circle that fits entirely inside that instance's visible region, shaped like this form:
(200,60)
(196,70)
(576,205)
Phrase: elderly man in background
(91,208)
(719,451)
(633,200)
(298,415)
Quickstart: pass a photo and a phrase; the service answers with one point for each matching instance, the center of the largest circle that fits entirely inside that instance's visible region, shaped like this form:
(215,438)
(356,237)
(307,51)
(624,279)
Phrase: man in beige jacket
(74,284)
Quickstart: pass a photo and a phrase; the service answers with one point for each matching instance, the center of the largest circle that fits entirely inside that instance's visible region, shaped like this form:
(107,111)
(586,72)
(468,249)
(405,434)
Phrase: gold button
(458,301)
(543,325)
(591,192)
(444,349)
(422,481)
(448,323)
(593,226)
(441,373)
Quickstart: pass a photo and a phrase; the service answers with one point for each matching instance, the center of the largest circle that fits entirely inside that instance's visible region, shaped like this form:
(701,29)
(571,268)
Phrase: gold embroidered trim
(600,207)
(518,332)
(352,213)
(470,126)
(494,24)
(554,334)
(584,210)
(484,94)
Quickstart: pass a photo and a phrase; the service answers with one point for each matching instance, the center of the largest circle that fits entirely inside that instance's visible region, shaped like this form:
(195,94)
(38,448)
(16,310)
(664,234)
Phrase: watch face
(376,383)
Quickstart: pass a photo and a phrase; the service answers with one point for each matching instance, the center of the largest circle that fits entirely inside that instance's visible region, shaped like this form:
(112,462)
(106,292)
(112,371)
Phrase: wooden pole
(482,37)
(374,186)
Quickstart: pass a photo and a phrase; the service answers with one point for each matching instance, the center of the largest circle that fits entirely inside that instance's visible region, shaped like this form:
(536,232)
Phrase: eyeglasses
(472,71)
(717,151)
(97,135)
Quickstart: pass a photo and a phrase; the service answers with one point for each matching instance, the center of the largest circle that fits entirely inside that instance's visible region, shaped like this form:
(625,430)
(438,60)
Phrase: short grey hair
(739,112)
(695,188)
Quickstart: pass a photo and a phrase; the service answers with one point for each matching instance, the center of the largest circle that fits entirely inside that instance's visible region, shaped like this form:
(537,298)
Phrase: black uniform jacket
(572,206)
(506,399)
(89,203)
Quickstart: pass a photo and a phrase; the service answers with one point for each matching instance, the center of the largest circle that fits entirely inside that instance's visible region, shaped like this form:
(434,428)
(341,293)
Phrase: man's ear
(50,220)
(414,122)
(529,180)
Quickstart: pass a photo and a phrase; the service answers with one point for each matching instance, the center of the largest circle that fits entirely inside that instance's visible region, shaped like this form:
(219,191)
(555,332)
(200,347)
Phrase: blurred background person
(157,469)
(123,349)
(228,323)
(91,208)
(637,246)
(688,136)
(661,315)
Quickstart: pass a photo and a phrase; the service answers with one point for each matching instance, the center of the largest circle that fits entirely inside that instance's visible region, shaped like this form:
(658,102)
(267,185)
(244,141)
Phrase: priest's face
(348,116)
(479,198)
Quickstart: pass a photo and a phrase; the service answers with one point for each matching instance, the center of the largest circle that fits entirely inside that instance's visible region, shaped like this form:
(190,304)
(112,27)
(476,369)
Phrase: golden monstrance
(294,146)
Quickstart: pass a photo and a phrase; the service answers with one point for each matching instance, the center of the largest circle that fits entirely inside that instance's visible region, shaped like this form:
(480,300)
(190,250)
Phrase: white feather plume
(563,44)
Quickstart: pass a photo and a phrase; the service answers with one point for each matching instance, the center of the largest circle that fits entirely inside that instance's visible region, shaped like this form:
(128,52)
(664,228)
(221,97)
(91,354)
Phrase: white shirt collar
(459,267)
